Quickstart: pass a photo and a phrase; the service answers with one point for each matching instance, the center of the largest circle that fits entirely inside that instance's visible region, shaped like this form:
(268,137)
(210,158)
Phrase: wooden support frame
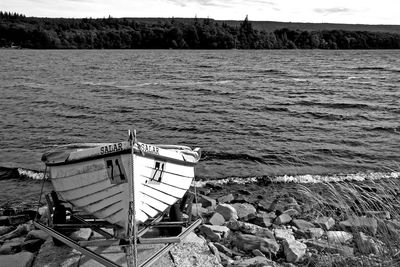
(110,240)
(108,263)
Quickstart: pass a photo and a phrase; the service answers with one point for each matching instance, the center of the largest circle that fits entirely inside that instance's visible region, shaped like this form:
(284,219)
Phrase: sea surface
(297,114)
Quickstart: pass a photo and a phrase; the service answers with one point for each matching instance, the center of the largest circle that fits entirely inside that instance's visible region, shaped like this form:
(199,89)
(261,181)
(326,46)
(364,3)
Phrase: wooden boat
(95,178)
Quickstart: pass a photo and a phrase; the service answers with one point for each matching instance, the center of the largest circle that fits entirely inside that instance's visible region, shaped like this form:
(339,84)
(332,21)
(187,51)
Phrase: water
(254,113)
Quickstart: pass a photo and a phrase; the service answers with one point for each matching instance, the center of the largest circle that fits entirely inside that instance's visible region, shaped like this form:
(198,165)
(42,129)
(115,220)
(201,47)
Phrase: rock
(214,251)
(10,248)
(249,228)
(294,250)
(291,212)
(206,201)
(227,211)
(331,248)
(223,249)
(366,244)
(302,224)
(209,233)
(220,229)
(203,190)
(37,234)
(193,255)
(6,229)
(247,242)
(226,198)
(256,261)
(22,259)
(242,199)
(193,238)
(32,245)
(21,230)
(356,224)
(265,205)
(283,219)
(244,211)
(82,234)
(340,237)
(217,219)
(325,223)
(264,220)
(283,234)
(315,232)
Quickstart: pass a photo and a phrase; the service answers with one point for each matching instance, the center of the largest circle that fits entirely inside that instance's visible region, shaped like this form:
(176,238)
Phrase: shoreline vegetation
(19,31)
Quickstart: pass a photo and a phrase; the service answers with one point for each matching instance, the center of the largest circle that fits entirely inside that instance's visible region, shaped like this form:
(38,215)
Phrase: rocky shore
(257,224)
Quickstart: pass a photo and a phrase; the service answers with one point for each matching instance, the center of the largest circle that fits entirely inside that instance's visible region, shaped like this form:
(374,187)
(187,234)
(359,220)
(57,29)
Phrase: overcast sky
(335,11)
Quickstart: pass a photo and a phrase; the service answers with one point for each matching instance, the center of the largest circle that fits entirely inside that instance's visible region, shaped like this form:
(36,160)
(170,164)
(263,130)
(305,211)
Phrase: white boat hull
(99,185)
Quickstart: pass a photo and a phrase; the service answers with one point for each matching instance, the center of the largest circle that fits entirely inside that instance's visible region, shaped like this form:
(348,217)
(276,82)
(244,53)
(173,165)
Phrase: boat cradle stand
(85,221)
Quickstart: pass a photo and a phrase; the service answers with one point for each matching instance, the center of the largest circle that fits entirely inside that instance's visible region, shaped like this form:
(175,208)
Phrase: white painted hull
(99,184)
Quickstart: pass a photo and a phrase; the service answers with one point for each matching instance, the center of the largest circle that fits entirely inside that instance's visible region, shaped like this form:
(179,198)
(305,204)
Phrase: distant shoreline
(178,33)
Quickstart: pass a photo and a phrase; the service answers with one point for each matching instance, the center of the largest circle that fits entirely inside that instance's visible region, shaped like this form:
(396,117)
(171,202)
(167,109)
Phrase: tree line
(112,33)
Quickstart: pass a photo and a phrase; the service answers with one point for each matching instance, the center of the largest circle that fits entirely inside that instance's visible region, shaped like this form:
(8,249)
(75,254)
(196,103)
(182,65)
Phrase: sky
(322,11)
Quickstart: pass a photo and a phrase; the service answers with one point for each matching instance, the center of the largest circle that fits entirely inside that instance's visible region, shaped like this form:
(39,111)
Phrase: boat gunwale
(125,151)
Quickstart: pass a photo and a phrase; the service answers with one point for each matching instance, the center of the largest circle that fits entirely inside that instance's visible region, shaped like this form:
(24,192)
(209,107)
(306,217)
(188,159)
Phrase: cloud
(333,10)
(184,3)
(219,3)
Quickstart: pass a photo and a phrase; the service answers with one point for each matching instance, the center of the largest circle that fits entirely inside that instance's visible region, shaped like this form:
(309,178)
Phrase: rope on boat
(132,226)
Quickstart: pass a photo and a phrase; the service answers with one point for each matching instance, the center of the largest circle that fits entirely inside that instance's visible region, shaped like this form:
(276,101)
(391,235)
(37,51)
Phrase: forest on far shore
(19,31)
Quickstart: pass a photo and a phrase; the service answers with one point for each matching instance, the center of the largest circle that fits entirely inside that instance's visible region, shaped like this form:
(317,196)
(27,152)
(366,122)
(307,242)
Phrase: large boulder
(294,250)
